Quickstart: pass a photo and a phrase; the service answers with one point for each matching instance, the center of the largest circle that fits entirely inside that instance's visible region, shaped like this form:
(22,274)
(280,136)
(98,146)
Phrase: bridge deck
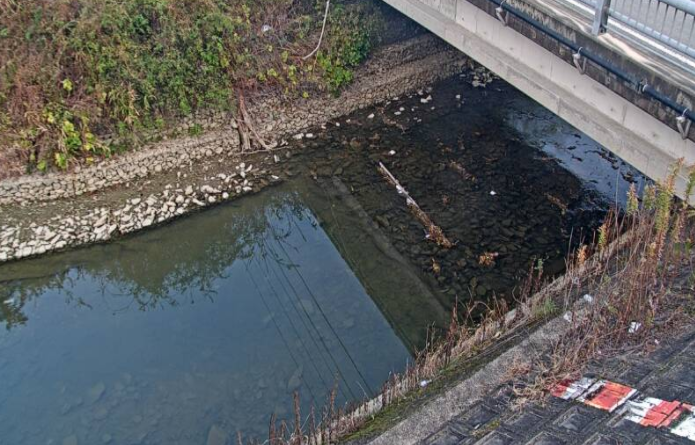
(533,50)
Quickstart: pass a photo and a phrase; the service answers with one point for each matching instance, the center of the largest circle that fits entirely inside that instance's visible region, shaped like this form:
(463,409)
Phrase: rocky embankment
(46,213)
(103,222)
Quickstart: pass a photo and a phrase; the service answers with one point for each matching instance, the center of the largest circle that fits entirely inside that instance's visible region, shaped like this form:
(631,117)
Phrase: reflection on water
(214,320)
(604,172)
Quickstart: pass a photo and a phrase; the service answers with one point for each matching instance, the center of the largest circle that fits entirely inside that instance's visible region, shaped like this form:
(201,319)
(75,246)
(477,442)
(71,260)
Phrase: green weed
(73,69)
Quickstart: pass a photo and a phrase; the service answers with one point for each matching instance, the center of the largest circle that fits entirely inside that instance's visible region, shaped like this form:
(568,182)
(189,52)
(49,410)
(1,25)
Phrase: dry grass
(639,281)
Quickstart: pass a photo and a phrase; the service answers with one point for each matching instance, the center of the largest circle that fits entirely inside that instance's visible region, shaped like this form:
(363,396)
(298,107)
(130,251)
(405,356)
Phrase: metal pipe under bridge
(621,71)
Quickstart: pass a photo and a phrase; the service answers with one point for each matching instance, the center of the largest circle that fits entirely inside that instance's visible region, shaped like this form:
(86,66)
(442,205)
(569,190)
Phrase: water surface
(215,321)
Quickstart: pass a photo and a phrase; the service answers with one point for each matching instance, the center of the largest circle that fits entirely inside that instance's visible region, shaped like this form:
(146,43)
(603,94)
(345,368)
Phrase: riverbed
(207,326)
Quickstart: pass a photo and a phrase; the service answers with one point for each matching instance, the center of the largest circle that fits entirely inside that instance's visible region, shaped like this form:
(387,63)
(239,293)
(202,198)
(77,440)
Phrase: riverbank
(622,317)
(511,384)
(506,181)
(81,81)
(169,179)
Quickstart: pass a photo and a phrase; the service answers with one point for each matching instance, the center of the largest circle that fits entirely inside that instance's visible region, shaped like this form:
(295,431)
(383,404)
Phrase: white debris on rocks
(482,77)
(102,224)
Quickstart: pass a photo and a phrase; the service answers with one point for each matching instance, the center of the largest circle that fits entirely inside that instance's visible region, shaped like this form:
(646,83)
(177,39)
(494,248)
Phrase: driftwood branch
(245,126)
(434,232)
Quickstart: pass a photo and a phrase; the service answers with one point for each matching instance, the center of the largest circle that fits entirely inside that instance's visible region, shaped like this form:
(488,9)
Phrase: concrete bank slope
(631,399)
(426,420)
(618,400)
(46,213)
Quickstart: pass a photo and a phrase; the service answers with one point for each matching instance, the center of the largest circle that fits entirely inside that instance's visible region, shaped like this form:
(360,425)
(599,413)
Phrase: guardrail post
(601,17)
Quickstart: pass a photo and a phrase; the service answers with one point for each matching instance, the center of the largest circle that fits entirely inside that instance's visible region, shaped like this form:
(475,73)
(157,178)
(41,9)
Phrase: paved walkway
(657,390)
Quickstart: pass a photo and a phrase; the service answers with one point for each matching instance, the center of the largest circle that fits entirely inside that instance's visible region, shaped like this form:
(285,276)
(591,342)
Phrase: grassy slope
(75,69)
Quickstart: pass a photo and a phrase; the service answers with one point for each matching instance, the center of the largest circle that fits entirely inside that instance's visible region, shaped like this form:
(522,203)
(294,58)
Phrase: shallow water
(213,322)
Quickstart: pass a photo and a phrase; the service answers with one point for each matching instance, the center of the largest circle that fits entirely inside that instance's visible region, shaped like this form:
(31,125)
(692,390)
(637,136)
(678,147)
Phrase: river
(211,323)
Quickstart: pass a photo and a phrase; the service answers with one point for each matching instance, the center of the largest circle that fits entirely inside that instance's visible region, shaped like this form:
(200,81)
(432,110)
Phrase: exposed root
(434,232)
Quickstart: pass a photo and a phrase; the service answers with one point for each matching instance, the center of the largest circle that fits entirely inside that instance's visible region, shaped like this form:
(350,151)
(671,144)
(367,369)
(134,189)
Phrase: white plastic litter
(634,327)
(588,298)
(493,193)
(424,383)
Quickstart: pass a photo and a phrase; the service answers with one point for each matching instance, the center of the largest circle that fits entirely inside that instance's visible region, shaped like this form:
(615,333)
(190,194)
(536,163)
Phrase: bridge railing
(671,22)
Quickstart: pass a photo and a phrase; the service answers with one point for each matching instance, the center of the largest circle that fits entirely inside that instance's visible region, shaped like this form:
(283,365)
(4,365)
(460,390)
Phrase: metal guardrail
(671,22)
(684,115)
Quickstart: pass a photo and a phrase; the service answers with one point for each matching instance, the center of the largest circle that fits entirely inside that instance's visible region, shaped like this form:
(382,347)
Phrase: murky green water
(215,320)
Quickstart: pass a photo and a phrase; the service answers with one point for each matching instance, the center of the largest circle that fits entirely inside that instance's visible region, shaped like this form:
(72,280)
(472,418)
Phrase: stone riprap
(101,223)
(177,176)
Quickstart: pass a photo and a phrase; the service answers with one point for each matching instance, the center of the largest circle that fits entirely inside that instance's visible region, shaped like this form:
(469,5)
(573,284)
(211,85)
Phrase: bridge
(621,71)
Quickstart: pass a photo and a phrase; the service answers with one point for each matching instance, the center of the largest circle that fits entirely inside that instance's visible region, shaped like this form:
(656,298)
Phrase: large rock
(295,381)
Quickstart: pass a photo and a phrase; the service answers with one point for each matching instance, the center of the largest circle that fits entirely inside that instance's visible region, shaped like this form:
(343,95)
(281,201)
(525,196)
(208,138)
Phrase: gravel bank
(174,177)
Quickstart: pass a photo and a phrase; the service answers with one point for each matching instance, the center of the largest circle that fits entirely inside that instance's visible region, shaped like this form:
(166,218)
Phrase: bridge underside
(627,130)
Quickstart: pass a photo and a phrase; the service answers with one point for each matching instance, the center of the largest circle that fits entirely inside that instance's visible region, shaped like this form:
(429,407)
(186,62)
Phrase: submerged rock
(96,392)
(70,440)
(296,380)
(217,436)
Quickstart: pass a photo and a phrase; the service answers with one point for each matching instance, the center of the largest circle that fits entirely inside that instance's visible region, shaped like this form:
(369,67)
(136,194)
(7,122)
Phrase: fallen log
(434,232)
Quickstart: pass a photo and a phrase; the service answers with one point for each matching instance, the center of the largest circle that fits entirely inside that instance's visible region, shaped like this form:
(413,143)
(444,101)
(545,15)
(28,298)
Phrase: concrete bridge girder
(621,126)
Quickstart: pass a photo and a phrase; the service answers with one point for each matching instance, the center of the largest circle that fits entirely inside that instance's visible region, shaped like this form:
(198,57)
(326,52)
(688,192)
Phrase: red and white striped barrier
(677,417)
